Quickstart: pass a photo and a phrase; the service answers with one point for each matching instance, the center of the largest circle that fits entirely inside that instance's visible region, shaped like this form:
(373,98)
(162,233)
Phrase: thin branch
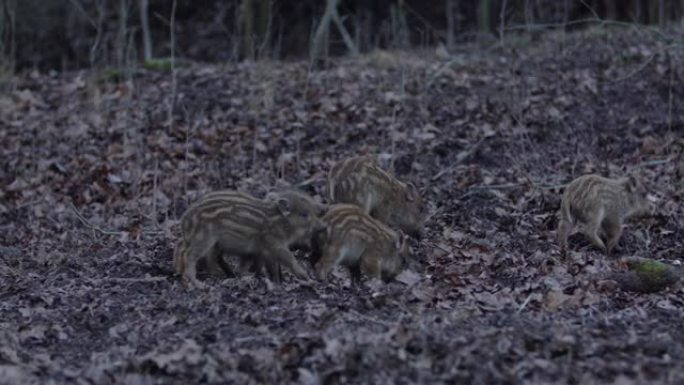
(98,36)
(503,23)
(172,26)
(320,40)
(437,246)
(590,9)
(529,183)
(343,31)
(155,186)
(636,71)
(515,185)
(319,176)
(655,162)
(524,304)
(638,27)
(91,226)
(459,159)
(497,186)
(145,25)
(438,72)
(80,8)
(670,98)
(127,280)
(371,319)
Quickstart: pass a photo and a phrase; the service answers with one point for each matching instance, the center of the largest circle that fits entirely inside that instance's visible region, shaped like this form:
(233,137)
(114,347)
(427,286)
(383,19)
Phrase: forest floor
(94,177)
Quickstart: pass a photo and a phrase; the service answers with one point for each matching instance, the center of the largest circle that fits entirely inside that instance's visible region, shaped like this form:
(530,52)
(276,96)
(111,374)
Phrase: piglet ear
(282,203)
(411,192)
(281,184)
(630,183)
(321,209)
(284,206)
(400,240)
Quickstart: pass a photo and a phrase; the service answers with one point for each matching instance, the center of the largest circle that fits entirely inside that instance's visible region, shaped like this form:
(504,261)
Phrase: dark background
(69,34)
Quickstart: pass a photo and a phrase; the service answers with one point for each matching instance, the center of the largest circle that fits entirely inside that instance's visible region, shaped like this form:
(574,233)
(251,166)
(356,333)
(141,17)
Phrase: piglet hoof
(193,284)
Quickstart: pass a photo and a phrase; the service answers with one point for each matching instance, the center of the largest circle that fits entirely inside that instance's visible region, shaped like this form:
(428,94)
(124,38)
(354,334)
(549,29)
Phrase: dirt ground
(94,177)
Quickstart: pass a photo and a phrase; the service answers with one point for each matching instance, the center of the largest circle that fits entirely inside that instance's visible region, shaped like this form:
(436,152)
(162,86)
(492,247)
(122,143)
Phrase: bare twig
(320,40)
(145,25)
(428,26)
(314,178)
(83,12)
(172,27)
(98,36)
(669,102)
(127,280)
(524,304)
(438,72)
(503,23)
(636,71)
(459,159)
(590,9)
(186,165)
(154,191)
(437,246)
(507,186)
(497,186)
(649,163)
(259,337)
(371,319)
(600,21)
(515,185)
(348,41)
(87,223)
(255,140)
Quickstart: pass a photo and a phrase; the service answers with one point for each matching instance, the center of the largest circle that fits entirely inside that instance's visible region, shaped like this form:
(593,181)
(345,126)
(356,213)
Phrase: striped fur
(258,231)
(355,240)
(361,181)
(598,207)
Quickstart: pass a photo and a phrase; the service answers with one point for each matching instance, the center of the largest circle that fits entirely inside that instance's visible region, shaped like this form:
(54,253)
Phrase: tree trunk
(145,26)
(363,25)
(121,36)
(400,34)
(319,45)
(7,36)
(502,21)
(264,20)
(483,17)
(452,22)
(611,9)
(529,19)
(653,12)
(246,30)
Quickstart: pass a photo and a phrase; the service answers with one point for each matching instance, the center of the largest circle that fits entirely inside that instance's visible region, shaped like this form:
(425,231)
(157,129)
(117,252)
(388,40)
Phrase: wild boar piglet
(258,231)
(361,181)
(361,243)
(598,207)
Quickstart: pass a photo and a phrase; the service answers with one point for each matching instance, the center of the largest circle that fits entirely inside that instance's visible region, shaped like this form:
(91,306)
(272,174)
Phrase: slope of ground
(95,177)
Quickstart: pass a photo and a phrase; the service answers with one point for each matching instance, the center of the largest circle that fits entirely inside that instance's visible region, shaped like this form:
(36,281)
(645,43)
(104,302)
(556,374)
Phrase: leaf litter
(95,184)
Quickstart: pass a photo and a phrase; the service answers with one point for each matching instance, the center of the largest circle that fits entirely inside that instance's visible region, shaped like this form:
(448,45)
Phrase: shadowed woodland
(115,116)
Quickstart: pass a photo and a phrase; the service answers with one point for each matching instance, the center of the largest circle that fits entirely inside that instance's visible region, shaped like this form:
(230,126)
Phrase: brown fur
(361,181)
(258,231)
(599,206)
(362,244)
